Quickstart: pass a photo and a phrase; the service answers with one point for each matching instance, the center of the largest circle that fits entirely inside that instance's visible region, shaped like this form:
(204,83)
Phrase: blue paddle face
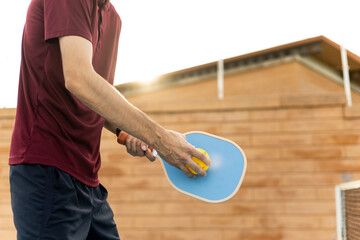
(223,178)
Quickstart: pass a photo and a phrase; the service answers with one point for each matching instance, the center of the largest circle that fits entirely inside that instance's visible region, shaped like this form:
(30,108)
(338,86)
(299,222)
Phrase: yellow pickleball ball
(199,162)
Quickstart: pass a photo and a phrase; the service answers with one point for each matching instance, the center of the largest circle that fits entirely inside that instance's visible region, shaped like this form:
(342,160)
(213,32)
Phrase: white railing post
(220,79)
(346,77)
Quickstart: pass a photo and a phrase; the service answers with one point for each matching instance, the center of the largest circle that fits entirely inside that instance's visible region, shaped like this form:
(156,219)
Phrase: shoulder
(113,12)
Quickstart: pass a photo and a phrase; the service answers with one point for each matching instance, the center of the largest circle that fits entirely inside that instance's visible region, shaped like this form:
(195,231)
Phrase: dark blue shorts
(50,204)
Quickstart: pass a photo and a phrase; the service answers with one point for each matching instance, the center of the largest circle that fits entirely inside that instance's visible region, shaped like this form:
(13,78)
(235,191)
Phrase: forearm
(109,127)
(104,99)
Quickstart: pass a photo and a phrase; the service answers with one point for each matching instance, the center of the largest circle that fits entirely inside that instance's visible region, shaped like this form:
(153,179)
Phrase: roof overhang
(320,48)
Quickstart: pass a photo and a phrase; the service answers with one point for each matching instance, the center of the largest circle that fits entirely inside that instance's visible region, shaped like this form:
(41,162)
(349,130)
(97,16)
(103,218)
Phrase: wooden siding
(299,138)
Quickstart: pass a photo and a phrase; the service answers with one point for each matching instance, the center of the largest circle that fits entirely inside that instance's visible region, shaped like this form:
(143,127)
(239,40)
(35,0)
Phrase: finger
(133,146)
(143,146)
(128,144)
(149,155)
(194,166)
(139,148)
(186,171)
(202,157)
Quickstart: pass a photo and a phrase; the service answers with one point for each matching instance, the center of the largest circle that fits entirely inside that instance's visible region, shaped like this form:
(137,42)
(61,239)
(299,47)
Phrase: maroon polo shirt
(52,126)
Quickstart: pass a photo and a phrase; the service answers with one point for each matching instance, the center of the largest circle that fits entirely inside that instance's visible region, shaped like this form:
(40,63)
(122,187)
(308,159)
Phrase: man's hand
(136,147)
(177,152)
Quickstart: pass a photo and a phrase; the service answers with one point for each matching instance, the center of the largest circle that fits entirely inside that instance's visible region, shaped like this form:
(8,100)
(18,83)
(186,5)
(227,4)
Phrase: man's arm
(95,92)
(110,127)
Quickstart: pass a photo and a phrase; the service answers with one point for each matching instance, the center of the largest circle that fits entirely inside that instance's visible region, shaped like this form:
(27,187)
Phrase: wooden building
(285,107)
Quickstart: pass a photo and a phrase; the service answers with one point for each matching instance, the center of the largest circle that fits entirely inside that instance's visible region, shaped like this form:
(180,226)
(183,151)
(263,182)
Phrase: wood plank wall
(297,152)
(7,229)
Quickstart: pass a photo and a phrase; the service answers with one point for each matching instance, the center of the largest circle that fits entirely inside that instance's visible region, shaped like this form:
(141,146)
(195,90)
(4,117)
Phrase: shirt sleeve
(68,17)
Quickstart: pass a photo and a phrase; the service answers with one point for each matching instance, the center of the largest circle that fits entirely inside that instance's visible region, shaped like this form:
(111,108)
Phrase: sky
(161,36)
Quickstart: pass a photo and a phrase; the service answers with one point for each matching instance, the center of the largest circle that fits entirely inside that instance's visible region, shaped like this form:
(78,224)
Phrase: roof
(320,48)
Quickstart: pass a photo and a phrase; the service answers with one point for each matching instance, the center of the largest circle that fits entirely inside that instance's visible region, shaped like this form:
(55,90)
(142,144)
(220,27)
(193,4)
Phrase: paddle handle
(121,139)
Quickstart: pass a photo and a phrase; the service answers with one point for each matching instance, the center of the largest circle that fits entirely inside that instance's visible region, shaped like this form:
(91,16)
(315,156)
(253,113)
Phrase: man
(69,52)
